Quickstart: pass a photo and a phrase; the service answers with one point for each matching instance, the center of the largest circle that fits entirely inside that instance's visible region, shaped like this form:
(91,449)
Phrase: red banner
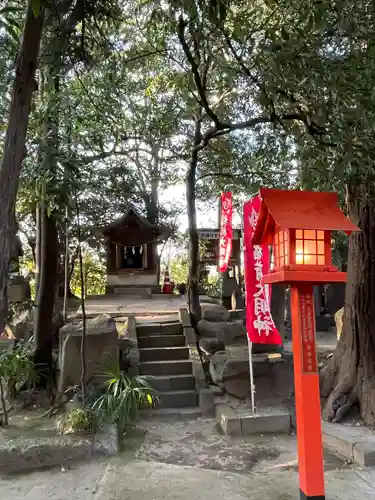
(259,323)
(226,231)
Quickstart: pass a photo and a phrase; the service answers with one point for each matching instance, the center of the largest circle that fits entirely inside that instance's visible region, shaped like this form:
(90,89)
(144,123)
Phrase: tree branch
(195,70)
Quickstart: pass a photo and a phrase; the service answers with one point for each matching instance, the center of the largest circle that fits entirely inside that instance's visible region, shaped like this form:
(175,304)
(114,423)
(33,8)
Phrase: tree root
(7,410)
(341,399)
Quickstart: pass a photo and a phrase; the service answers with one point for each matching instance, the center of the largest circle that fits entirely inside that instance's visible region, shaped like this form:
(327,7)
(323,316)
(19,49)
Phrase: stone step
(159,329)
(133,291)
(183,367)
(163,383)
(161,341)
(172,413)
(163,353)
(178,399)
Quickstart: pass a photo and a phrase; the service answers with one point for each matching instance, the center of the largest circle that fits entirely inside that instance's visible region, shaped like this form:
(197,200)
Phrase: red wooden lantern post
(299,224)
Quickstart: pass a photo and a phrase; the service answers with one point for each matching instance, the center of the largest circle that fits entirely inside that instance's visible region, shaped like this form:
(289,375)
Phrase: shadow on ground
(198,444)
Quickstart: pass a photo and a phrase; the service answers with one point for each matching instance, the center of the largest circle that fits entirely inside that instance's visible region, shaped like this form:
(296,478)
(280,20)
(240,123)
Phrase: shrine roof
(132,220)
(296,209)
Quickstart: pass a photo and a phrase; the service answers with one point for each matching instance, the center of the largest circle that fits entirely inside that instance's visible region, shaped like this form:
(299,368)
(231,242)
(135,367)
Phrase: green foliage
(17,369)
(10,21)
(178,269)
(123,399)
(94,275)
(77,420)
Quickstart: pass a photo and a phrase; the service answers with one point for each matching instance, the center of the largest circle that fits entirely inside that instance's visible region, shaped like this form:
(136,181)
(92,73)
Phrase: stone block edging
(206,397)
(29,452)
(134,351)
(353,443)
(273,421)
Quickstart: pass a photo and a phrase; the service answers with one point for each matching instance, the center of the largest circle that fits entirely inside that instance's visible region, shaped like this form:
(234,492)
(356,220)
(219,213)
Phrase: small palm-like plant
(123,398)
(16,370)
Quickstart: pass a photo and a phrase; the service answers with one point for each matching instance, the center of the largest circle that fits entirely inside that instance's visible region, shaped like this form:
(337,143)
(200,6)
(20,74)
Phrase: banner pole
(252,387)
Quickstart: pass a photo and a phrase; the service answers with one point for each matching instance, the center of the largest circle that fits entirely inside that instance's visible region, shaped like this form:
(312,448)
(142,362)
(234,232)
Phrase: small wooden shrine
(131,246)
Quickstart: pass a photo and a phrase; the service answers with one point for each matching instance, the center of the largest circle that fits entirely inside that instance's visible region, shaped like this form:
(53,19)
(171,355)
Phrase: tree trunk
(14,146)
(65,279)
(193,256)
(46,294)
(38,249)
(49,236)
(349,378)
(66,267)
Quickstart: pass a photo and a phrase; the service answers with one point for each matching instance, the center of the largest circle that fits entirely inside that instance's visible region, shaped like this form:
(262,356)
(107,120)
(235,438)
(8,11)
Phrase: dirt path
(189,460)
(80,482)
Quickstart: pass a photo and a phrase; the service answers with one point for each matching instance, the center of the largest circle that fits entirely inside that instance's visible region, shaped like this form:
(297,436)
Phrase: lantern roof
(296,209)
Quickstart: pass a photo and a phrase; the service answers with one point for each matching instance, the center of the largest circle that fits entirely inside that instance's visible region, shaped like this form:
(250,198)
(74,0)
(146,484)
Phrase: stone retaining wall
(206,397)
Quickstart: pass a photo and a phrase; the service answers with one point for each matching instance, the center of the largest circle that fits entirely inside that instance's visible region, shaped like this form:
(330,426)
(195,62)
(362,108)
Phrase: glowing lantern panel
(310,248)
(301,247)
(281,249)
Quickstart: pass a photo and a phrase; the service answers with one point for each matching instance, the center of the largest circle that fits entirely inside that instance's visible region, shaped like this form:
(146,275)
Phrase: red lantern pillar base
(304,497)
(307,395)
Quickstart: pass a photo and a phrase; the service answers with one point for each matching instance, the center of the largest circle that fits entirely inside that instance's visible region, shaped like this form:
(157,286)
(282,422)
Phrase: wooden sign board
(209,246)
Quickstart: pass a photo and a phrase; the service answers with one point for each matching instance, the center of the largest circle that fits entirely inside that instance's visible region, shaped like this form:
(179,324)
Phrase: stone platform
(126,305)
(242,421)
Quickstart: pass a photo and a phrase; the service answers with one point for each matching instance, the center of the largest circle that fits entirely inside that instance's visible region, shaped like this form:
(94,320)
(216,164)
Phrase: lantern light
(303,247)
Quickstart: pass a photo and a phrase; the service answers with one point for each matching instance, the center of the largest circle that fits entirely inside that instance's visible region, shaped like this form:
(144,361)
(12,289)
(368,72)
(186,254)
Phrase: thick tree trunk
(14,146)
(46,294)
(38,248)
(49,235)
(194,306)
(152,211)
(349,377)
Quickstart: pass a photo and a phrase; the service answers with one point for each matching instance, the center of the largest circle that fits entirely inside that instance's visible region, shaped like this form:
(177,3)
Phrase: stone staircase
(164,360)
(133,291)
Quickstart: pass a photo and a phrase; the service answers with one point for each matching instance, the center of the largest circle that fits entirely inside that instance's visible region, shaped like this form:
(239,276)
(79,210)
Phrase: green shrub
(17,370)
(77,420)
(123,398)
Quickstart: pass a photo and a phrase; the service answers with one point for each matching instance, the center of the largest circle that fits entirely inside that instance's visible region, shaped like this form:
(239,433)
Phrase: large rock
(214,312)
(223,367)
(339,318)
(210,346)
(101,348)
(18,289)
(230,371)
(237,314)
(208,300)
(206,328)
(231,374)
(231,332)
(21,325)
(225,331)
